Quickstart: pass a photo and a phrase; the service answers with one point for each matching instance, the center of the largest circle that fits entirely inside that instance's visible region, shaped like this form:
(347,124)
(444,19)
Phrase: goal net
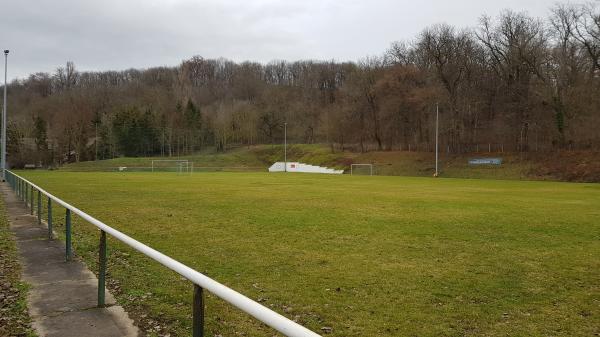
(361,169)
(172,165)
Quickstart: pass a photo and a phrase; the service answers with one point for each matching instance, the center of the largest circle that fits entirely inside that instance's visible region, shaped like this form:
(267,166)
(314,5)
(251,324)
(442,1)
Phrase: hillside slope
(563,165)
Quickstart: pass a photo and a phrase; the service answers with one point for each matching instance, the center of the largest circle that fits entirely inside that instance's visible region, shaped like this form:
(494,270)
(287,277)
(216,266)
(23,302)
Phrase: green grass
(367,256)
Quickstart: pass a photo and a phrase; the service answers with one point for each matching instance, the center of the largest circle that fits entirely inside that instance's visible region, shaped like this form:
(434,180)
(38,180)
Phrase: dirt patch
(577,166)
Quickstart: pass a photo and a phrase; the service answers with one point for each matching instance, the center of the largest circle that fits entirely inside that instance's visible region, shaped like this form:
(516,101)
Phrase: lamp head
(6,52)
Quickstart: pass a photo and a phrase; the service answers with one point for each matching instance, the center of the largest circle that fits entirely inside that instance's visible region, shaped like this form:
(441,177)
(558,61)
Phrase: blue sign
(485,161)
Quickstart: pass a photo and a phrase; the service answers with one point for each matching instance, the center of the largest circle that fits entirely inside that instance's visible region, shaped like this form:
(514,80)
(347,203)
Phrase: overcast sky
(121,34)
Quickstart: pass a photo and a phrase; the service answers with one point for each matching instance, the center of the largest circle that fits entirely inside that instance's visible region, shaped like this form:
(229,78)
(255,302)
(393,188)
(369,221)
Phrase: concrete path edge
(62,299)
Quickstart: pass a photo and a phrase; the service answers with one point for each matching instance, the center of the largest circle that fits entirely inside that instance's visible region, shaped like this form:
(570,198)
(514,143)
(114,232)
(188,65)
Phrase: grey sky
(120,34)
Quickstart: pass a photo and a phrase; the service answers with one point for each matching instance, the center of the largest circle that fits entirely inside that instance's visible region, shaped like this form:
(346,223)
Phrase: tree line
(523,82)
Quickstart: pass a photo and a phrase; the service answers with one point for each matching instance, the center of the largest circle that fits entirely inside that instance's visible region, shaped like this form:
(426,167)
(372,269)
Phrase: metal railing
(25,191)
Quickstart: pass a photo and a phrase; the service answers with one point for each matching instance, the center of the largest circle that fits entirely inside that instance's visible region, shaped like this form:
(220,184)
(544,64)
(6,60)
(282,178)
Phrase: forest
(512,82)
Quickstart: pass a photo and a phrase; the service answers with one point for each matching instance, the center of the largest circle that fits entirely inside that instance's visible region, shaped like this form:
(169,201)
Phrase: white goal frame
(179,164)
(369,165)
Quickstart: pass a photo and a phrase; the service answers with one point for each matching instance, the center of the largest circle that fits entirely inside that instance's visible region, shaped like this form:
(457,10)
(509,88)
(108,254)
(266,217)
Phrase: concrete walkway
(63,296)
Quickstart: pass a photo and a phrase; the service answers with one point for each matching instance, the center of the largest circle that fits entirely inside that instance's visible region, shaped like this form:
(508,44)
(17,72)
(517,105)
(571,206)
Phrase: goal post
(172,165)
(356,168)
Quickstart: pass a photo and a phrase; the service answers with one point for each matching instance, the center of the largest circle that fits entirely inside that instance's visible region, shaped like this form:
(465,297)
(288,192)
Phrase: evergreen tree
(40,134)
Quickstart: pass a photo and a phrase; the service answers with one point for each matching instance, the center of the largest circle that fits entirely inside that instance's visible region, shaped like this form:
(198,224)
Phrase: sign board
(485,161)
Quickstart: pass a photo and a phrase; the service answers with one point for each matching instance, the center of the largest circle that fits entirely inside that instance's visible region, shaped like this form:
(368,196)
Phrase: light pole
(285,146)
(437,132)
(96,140)
(3,159)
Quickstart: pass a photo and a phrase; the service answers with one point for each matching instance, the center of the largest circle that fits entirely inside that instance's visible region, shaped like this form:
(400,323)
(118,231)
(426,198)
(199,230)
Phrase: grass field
(366,256)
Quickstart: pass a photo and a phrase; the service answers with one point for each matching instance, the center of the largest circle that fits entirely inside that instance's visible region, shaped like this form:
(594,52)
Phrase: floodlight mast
(437,131)
(3,159)
(285,146)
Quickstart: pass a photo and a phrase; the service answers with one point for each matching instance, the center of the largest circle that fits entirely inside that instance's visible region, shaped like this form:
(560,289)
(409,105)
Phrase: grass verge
(14,317)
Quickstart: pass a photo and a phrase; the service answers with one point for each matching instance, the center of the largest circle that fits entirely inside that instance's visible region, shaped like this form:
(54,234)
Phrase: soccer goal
(361,169)
(172,165)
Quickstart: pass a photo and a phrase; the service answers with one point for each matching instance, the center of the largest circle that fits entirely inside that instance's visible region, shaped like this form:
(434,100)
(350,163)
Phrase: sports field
(364,256)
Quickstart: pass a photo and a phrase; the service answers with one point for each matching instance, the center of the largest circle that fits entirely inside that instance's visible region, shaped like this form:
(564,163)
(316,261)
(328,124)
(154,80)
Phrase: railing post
(39,200)
(69,251)
(101,269)
(49,218)
(31,201)
(198,311)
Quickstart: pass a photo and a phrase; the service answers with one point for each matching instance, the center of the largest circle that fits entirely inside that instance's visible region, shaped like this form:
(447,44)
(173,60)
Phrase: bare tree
(516,46)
